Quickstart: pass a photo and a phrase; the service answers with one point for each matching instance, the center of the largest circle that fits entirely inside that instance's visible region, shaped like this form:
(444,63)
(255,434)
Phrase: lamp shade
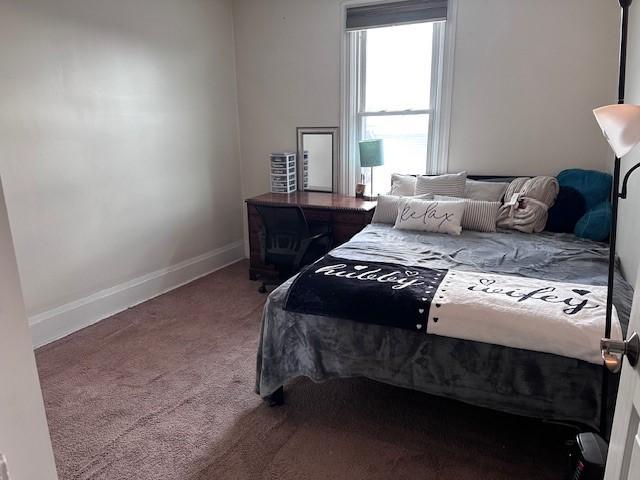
(371,153)
(620,125)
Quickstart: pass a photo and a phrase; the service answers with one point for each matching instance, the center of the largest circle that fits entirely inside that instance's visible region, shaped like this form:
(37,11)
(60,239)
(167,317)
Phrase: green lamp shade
(371,153)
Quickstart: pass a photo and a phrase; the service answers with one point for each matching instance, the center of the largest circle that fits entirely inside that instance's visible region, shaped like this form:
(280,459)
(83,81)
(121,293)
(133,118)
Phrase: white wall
(628,225)
(24,436)
(119,149)
(288,68)
(527,74)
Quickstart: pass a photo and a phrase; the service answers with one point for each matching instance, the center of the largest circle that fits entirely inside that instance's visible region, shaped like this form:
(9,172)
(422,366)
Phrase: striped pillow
(488,191)
(451,185)
(479,215)
(388,206)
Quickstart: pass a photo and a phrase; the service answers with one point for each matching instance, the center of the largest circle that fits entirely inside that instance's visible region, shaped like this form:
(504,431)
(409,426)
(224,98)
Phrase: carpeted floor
(165,391)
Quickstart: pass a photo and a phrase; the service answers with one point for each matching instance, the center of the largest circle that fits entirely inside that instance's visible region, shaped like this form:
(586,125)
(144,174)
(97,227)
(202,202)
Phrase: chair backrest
(285,227)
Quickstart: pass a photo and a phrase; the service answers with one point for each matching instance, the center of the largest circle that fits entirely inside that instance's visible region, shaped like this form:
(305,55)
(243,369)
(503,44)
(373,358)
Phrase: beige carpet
(165,391)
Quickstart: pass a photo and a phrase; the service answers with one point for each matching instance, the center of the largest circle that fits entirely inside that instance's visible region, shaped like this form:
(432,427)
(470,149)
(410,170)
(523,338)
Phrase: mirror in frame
(318,149)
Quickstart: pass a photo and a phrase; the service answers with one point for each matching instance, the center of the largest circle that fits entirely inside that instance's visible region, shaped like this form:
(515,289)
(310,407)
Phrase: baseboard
(61,321)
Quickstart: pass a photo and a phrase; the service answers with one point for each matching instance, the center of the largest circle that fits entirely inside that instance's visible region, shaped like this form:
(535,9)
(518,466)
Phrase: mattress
(523,382)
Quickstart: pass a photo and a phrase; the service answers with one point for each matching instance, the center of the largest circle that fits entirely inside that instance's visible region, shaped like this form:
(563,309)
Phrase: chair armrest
(313,238)
(304,246)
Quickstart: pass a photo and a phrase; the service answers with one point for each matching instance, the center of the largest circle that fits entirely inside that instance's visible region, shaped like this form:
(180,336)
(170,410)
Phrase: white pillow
(430,216)
(403,185)
(450,184)
(388,205)
(488,191)
(479,215)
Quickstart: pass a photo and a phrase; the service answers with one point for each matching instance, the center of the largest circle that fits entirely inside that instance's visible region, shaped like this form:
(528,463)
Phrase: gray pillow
(479,215)
(488,191)
(451,185)
(403,185)
(388,206)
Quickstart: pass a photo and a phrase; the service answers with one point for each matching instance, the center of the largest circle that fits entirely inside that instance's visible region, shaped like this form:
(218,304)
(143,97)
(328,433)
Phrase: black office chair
(287,242)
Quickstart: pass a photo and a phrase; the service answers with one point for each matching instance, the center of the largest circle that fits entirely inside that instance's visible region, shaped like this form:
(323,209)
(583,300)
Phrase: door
(623,461)
(24,435)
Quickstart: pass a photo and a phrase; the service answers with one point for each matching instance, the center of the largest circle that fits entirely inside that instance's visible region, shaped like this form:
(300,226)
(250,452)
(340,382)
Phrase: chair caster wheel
(262,289)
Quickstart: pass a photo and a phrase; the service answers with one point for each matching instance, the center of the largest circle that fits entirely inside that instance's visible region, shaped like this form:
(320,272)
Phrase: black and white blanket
(379,293)
(566,319)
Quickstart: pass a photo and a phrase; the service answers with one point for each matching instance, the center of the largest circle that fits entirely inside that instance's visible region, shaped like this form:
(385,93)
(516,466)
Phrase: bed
(518,381)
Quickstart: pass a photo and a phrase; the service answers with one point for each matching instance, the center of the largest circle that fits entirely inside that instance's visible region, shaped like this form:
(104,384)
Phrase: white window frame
(352,107)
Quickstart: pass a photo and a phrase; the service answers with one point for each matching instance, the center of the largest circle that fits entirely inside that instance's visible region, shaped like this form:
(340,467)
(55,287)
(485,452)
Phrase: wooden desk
(345,215)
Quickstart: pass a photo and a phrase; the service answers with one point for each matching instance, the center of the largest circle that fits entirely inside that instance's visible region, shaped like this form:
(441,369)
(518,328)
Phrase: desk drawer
(317,216)
(351,218)
(342,232)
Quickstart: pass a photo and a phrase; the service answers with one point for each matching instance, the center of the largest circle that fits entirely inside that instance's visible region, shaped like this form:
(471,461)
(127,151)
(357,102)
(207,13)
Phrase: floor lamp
(620,125)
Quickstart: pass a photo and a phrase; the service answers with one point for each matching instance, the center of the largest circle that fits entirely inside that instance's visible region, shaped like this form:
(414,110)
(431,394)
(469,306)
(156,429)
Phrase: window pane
(405,146)
(398,67)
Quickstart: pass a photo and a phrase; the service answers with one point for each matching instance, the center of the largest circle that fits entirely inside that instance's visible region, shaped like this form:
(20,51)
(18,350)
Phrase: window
(395,93)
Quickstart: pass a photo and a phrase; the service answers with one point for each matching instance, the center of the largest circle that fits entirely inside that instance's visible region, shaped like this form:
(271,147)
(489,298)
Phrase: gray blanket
(512,380)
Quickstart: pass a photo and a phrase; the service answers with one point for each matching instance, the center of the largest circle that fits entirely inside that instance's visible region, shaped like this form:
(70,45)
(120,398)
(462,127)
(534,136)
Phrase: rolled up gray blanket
(527,201)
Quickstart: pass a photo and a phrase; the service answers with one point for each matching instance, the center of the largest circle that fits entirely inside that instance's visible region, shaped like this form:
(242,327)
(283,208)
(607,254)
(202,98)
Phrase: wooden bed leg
(276,398)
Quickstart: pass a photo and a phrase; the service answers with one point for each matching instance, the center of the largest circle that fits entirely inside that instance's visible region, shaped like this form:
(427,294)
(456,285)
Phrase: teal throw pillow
(596,223)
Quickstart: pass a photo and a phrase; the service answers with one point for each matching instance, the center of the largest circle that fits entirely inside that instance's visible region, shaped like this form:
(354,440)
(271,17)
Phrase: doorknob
(614,350)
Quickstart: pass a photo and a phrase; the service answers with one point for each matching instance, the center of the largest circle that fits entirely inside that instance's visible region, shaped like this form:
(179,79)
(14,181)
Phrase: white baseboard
(68,318)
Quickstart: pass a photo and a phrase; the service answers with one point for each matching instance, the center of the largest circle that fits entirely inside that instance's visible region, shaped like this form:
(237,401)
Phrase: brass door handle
(614,350)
